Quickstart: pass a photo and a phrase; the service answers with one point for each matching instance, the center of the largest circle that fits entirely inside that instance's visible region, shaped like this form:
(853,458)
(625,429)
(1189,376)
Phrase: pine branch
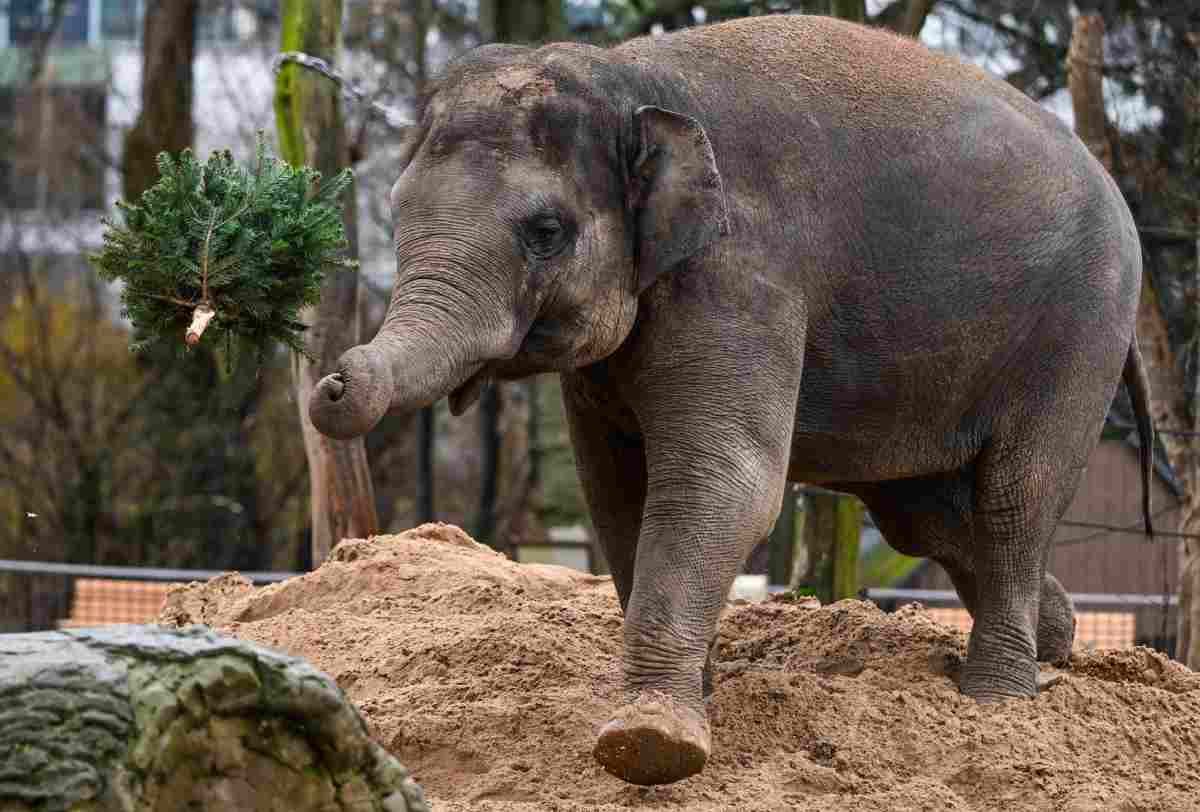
(227,251)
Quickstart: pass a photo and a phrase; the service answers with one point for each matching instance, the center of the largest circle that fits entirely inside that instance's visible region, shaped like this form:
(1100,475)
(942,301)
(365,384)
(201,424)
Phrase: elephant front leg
(611,464)
(715,475)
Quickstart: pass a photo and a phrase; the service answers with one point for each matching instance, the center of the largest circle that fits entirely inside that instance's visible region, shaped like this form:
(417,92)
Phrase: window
(7,142)
(119,20)
(47,152)
(215,21)
(27,19)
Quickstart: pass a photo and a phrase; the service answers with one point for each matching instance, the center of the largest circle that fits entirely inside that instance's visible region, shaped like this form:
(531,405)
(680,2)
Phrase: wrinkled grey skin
(780,248)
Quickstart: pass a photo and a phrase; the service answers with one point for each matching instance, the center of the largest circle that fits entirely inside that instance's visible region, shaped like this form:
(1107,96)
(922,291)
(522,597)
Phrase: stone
(157,719)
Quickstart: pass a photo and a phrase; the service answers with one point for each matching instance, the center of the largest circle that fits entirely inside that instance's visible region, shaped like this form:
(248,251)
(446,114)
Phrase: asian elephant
(781,248)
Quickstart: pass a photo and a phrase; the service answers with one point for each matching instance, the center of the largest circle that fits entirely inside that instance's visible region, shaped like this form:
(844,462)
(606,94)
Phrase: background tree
(311,131)
(231,488)
(522,21)
(514,21)
(164,122)
(110,458)
(185,410)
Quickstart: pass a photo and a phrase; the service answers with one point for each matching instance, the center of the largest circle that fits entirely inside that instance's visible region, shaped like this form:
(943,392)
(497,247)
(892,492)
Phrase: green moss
(289,93)
(884,567)
(845,551)
(797,594)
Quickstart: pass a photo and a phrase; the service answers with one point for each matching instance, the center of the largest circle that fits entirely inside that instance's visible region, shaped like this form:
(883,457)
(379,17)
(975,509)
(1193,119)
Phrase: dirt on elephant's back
(488,680)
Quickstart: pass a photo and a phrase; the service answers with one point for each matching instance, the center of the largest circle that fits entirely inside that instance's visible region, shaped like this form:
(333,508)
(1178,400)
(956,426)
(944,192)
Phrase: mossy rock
(150,719)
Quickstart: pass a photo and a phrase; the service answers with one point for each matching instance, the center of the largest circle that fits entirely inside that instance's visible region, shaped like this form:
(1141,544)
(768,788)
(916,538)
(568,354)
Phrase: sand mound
(488,680)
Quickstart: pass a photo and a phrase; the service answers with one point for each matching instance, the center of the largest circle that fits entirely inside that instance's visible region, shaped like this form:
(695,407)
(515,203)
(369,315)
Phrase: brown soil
(488,679)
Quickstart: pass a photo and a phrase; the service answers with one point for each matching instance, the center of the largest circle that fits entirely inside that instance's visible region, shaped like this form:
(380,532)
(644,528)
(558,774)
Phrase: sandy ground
(488,679)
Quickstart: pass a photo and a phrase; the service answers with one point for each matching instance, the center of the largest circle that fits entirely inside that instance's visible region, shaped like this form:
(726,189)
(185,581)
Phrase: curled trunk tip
(349,402)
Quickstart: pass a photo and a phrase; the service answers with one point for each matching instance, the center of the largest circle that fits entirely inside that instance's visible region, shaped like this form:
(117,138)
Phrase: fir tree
(231,250)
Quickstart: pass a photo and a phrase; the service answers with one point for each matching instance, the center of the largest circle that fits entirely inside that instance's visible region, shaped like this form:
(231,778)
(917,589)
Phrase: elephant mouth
(465,394)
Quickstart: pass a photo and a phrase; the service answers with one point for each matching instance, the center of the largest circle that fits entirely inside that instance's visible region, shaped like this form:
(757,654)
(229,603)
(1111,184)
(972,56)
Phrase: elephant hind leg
(1022,487)
(1056,613)
(933,517)
(1056,623)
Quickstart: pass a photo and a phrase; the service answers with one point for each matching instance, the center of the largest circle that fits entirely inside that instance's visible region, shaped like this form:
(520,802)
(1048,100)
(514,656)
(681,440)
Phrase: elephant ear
(678,198)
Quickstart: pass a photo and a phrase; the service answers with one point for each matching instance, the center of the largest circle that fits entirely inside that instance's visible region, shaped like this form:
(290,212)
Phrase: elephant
(783,248)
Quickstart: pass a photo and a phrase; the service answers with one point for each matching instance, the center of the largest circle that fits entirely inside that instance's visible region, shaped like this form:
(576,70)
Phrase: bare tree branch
(39,50)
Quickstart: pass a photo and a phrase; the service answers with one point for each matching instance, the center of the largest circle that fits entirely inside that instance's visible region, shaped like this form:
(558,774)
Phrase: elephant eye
(545,235)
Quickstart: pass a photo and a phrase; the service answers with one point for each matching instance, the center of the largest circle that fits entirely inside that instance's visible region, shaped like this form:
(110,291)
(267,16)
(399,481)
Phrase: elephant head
(533,208)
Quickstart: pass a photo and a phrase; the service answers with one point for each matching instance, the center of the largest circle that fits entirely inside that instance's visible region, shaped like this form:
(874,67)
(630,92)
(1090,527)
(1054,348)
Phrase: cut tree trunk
(309,122)
(156,719)
(1168,393)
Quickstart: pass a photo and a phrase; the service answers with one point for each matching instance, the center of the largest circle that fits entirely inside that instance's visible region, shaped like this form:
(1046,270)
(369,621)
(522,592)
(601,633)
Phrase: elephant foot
(1056,623)
(1047,680)
(654,740)
(988,685)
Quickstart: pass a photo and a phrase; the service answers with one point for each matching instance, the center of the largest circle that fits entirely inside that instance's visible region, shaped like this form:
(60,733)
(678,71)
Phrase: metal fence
(40,596)
(1101,620)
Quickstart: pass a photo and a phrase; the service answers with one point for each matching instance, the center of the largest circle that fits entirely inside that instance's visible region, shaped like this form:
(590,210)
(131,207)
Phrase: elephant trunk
(349,402)
(430,344)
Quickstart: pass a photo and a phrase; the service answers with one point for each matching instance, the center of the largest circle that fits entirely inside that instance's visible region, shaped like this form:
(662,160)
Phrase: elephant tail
(1139,395)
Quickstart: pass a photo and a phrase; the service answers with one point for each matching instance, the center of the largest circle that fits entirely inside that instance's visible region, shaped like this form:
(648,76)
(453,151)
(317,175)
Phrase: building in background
(61,136)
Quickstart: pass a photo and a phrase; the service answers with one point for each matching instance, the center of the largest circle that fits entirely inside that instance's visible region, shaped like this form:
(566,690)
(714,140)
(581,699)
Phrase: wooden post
(783,540)
(832,524)
(847,529)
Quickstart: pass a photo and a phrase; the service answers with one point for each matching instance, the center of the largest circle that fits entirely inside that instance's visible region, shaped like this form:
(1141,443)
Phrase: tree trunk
(309,122)
(915,15)
(425,437)
(1168,393)
(489,437)
(782,542)
(832,529)
(1187,641)
(815,568)
(39,50)
(1187,645)
(534,435)
(165,120)
(1084,62)
(506,21)
(847,530)
(153,718)
(828,561)
(522,21)
(853,10)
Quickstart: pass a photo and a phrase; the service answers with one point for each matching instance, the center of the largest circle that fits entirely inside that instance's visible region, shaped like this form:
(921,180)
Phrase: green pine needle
(252,243)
